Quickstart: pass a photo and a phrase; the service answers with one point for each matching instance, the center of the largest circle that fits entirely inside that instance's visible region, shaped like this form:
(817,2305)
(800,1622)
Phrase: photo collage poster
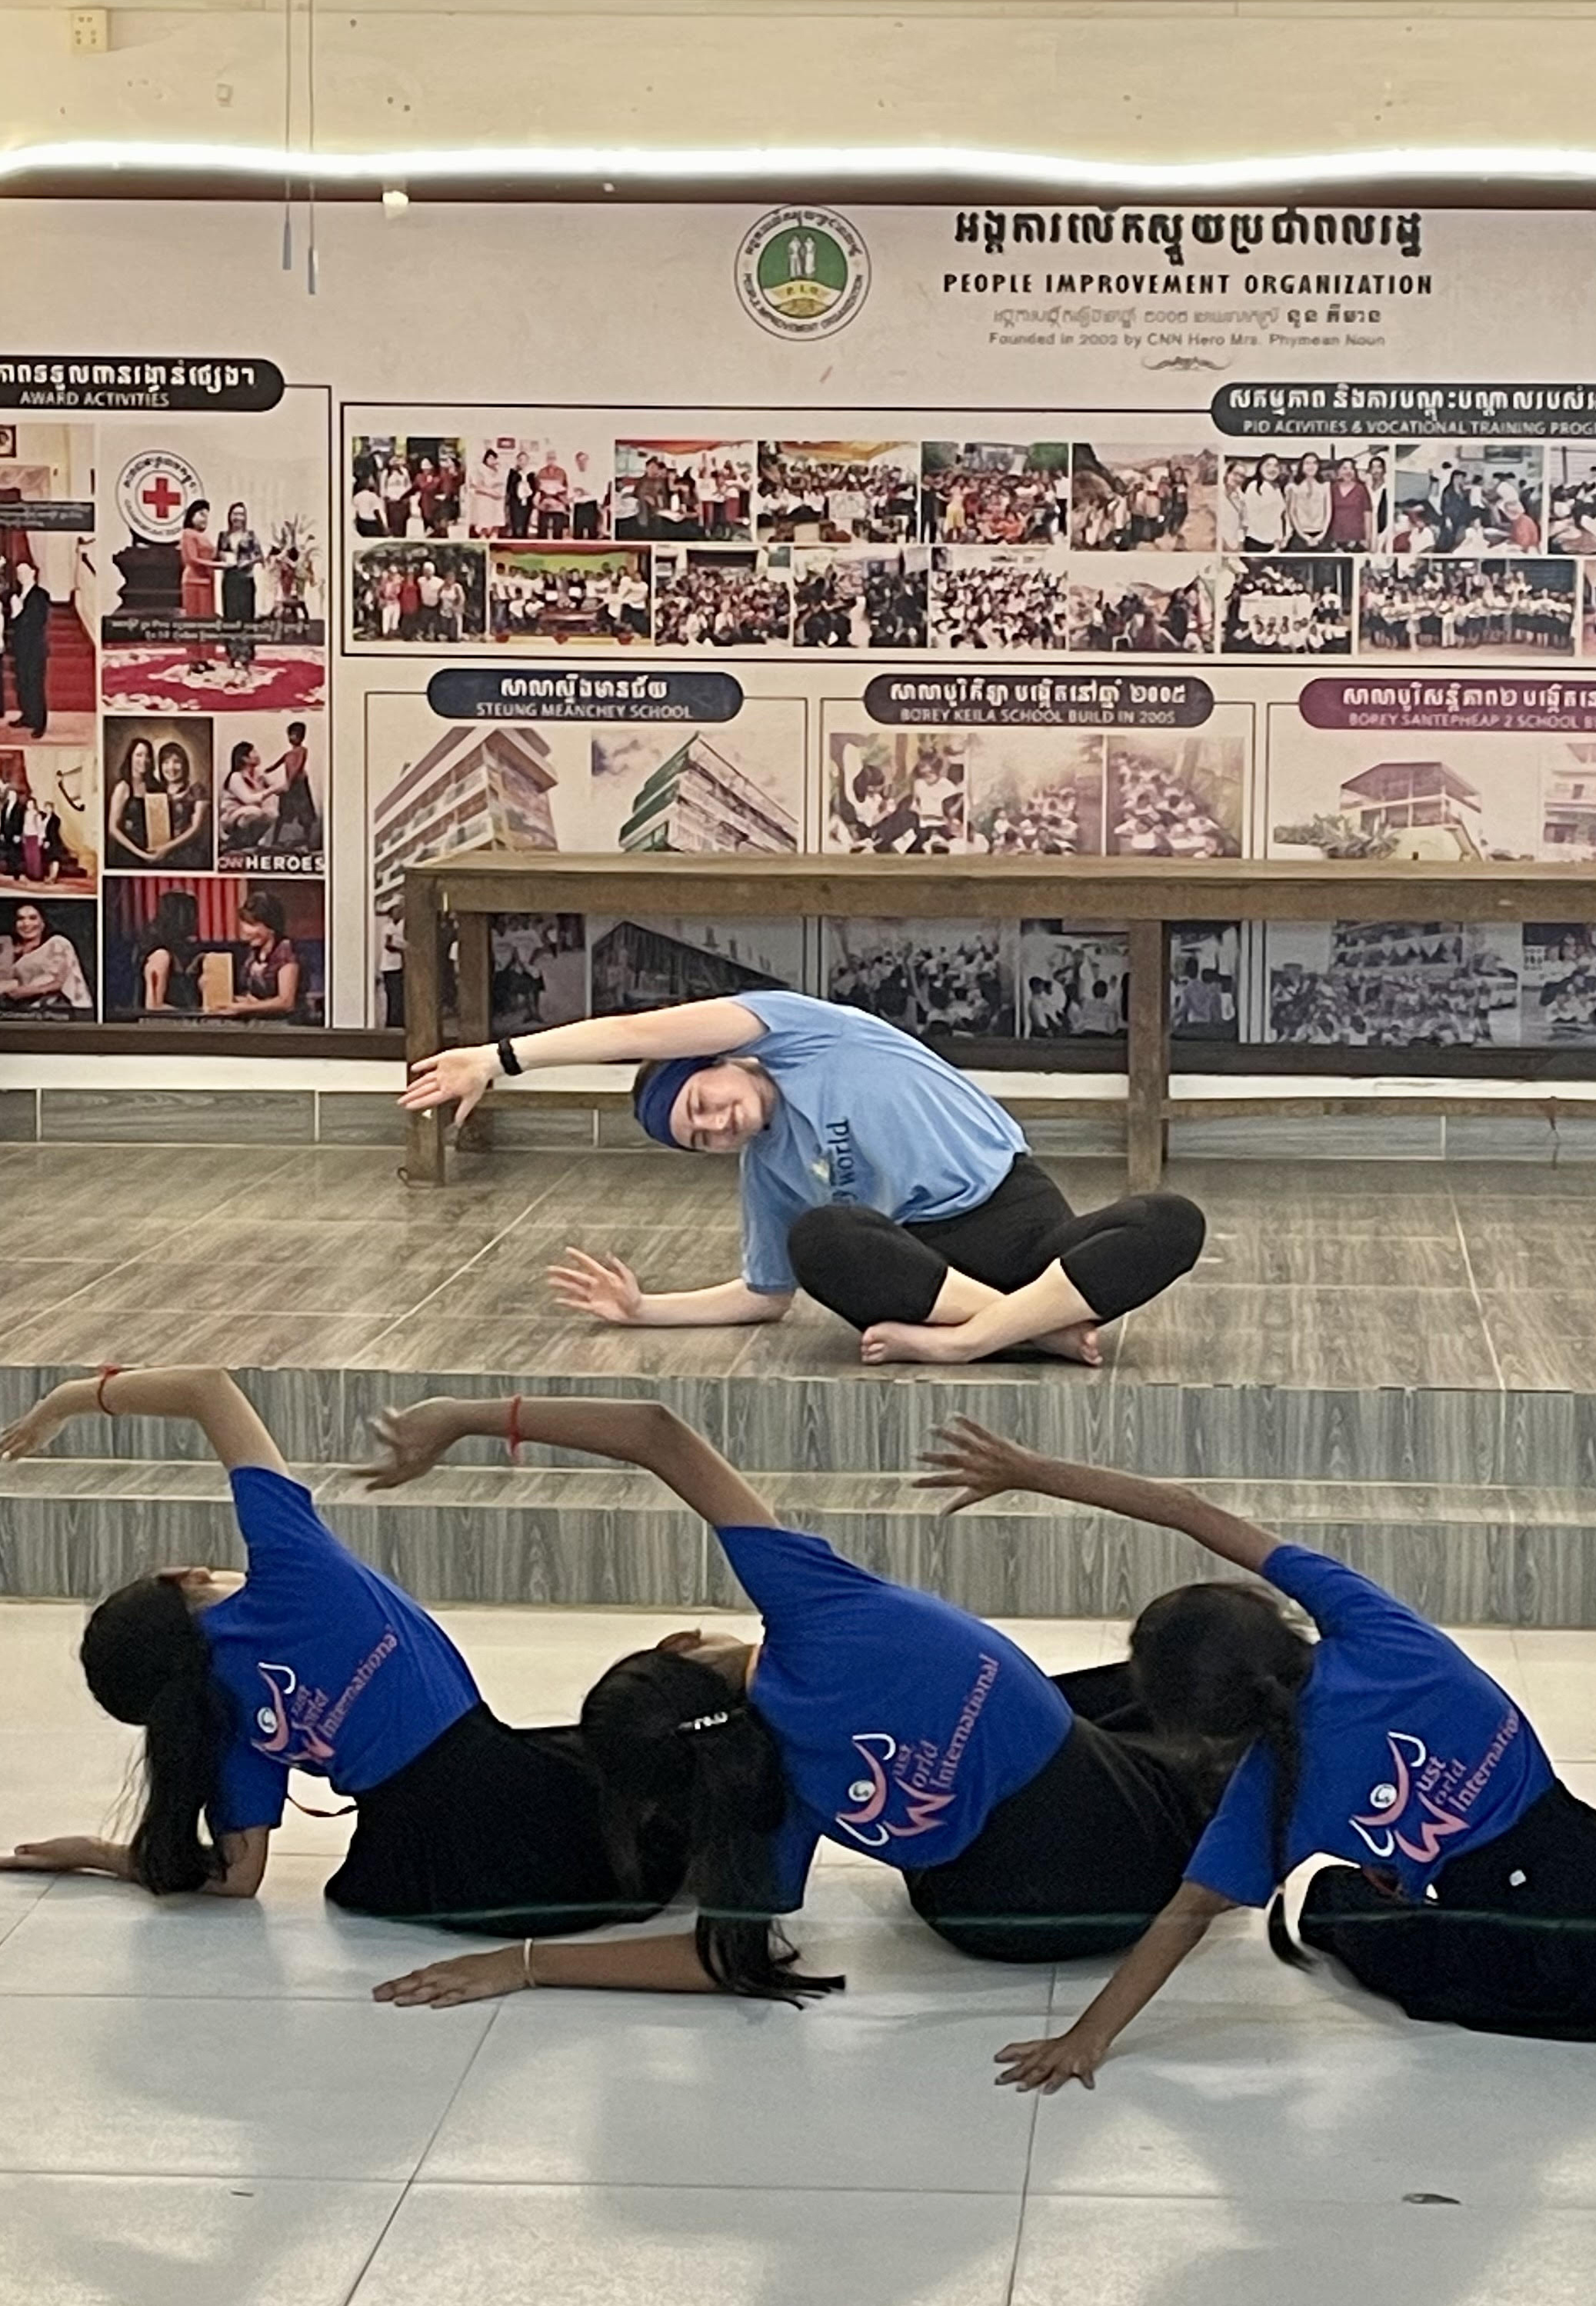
(1286,649)
(1058,533)
(166,759)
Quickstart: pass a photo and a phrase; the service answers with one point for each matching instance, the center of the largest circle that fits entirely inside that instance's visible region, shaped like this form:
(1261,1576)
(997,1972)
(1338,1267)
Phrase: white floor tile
(194,2088)
(19,1895)
(584,2089)
(98,1937)
(857,1920)
(185,2241)
(1237,2253)
(663,2246)
(1560,1696)
(64,1780)
(1215,2099)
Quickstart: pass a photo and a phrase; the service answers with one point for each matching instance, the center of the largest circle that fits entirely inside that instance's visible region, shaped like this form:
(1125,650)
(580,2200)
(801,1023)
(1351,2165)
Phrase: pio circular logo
(154,491)
(803,272)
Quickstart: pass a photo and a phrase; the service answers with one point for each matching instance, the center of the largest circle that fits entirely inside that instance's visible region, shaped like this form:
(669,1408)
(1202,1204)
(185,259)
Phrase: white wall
(1107,78)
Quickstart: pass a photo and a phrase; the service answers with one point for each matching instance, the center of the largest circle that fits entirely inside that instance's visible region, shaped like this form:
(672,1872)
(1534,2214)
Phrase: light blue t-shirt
(867,1116)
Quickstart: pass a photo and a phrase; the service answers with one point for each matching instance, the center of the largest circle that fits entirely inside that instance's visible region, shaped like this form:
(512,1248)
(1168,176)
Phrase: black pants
(866,1269)
(1500,1955)
(1079,1861)
(28,661)
(495,1831)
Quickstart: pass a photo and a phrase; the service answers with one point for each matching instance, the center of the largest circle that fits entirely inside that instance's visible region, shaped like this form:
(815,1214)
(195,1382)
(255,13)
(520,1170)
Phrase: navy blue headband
(654,1101)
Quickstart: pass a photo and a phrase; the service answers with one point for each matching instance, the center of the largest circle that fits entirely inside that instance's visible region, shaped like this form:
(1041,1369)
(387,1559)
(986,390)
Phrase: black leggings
(1079,1860)
(1500,1954)
(494,1830)
(865,1267)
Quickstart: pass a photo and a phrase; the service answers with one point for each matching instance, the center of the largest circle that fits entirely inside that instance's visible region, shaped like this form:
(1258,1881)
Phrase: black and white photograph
(654,964)
(733,598)
(1376,985)
(1177,793)
(1156,607)
(832,491)
(1011,599)
(1513,607)
(1333,498)
(737,785)
(1558,976)
(407,486)
(1073,982)
(1286,608)
(899,792)
(586,594)
(422,595)
(1468,496)
(684,492)
(539,972)
(49,959)
(1570,498)
(1143,500)
(1436,796)
(860,596)
(994,492)
(938,980)
(1034,792)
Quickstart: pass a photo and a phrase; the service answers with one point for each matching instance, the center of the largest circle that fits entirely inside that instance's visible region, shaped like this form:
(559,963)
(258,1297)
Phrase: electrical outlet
(89,32)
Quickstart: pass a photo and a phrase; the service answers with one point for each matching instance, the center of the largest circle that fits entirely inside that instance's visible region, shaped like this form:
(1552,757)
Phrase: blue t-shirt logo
(278,1732)
(1427,1800)
(918,1812)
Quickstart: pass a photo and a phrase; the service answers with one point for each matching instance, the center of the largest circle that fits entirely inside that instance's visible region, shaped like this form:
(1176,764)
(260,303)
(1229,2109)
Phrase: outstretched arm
(635,1432)
(209,1397)
(698,1029)
(608,1290)
(1046,2065)
(975,1464)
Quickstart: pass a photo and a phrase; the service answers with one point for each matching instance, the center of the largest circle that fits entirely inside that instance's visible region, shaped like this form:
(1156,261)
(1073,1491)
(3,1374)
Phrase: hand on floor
(1048,2065)
(445,1984)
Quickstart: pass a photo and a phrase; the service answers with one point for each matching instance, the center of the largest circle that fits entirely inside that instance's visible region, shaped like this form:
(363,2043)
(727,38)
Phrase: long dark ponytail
(147,1662)
(680,1755)
(1220,1662)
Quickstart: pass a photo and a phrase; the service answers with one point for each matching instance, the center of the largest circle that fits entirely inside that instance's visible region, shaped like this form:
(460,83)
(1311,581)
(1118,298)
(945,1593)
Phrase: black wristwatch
(508,1058)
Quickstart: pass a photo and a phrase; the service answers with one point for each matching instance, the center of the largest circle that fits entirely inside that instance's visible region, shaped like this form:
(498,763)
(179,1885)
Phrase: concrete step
(1467,1553)
(853,1421)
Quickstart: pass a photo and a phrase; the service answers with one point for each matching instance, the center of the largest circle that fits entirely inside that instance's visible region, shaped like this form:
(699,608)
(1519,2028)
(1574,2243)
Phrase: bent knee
(1181,1226)
(821,1236)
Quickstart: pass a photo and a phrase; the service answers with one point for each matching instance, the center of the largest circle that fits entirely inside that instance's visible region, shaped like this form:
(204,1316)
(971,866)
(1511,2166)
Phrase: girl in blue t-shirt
(313,1661)
(1471,1893)
(869,1714)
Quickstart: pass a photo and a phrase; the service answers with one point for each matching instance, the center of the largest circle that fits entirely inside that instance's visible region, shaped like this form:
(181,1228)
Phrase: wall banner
(1199,533)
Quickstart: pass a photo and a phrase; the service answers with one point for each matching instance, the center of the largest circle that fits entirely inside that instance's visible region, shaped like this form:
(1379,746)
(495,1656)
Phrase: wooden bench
(1145,895)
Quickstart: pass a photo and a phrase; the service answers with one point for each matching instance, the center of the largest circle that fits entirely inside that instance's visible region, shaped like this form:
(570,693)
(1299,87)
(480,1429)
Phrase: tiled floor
(1471,1276)
(201,2107)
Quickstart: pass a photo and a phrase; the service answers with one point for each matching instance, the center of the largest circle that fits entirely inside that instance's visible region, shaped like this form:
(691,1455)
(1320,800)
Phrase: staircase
(72,676)
(1440,1496)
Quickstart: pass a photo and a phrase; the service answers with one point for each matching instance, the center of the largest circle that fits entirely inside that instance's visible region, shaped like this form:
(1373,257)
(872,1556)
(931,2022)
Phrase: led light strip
(792,167)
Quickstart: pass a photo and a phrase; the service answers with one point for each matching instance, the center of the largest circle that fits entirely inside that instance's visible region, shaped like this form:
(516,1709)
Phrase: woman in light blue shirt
(875,1175)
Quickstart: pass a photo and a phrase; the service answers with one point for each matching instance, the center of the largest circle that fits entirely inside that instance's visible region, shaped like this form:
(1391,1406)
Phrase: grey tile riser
(774,1424)
(1479,1572)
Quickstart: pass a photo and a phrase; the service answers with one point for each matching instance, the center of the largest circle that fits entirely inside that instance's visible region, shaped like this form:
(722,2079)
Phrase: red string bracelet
(110,1370)
(512,1434)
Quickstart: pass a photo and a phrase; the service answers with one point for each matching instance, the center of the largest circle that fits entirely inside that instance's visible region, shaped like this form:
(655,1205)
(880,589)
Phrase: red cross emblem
(162,497)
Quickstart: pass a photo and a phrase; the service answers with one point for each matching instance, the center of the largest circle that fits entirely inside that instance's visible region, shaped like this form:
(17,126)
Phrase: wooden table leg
(424,1151)
(1147,1057)
(475,967)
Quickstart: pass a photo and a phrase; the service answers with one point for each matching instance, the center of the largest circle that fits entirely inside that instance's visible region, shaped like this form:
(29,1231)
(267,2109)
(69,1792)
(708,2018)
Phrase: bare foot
(906,1341)
(1079,1344)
